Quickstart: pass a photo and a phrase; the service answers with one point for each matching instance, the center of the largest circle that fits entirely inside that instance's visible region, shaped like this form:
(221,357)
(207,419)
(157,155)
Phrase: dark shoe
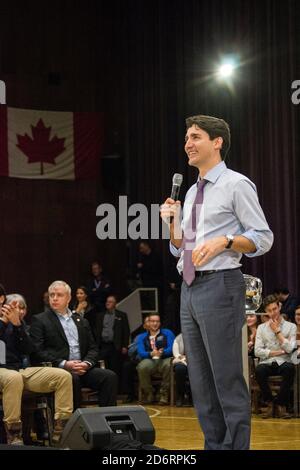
(187,401)
(268,411)
(14,433)
(148,399)
(42,435)
(179,402)
(129,399)
(281,412)
(164,399)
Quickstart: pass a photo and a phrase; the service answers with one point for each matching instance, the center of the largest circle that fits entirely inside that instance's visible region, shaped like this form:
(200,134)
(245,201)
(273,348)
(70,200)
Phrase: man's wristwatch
(230,239)
(277,332)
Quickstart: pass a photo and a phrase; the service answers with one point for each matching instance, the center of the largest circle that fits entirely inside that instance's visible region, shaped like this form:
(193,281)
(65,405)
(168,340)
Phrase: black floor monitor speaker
(97,428)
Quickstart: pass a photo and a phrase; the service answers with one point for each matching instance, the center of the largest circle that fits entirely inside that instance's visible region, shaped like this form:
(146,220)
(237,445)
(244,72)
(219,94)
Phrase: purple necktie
(190,241)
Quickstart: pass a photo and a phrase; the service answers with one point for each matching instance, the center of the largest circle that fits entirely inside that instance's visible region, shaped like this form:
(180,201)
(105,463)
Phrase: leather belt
(211,271)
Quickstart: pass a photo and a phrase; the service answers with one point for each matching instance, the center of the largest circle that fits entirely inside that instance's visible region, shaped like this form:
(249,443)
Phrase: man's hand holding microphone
(170,212)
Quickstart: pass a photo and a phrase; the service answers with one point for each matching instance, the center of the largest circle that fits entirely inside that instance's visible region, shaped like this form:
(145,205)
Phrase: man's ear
(218,143)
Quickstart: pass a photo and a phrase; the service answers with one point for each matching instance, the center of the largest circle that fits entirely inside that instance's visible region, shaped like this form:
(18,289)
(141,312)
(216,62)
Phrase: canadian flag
(50,144)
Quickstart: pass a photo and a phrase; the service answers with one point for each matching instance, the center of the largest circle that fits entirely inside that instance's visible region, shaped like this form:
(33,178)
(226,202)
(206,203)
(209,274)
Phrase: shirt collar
(213,174)
(69,314)
(154,336)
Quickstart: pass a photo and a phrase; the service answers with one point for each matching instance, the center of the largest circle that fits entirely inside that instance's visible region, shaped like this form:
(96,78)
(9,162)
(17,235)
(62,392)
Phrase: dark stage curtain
(166,54)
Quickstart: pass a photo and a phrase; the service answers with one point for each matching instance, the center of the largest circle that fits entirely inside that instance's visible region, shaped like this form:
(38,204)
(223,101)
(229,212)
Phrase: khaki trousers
(147,367)
(35,379)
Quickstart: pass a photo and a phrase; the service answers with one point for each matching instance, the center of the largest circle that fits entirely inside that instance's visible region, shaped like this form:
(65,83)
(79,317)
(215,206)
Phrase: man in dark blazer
(111,331)
(66,340)
(98,286)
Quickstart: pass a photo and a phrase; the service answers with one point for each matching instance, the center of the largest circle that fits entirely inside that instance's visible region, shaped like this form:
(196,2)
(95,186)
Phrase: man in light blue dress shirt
(216,228)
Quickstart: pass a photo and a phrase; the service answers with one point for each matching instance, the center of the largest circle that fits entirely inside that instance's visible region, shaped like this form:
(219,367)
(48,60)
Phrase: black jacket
(98,295)
(18,344)
(121,328)
(51,343)
(289,306)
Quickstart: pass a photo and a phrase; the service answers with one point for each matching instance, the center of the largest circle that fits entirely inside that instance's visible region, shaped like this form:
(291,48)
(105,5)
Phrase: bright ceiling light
(226,70)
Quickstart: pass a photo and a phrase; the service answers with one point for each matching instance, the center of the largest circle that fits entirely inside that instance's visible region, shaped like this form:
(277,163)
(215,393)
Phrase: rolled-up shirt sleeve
(289,343)
(251,217)
(175,251)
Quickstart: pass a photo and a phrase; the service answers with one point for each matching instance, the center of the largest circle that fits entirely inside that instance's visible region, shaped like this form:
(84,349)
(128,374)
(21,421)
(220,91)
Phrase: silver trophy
(253,293)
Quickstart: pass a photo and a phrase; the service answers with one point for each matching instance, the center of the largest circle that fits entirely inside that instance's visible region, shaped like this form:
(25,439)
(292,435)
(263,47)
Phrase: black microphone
(176,184)
(177,181)
(160,342)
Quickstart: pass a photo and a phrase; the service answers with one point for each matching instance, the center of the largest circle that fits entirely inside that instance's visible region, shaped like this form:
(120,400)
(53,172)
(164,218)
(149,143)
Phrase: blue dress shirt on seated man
(222,219)
(66,340)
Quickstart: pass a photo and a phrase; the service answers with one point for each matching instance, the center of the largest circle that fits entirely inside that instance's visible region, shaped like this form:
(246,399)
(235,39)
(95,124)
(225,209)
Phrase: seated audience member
(111,331)
(297,321)
(18,375)
(22,306)
(253,321)
(66,340)
(288,302)
(183,391)
(45,300)
(140,329)
(82,305)
(98,287)
(296,355)
(40,423)
(129,367)
(155,350)
(275,341)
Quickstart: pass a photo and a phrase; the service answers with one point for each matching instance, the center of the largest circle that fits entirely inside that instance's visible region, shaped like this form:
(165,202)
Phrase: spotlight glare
(226,70)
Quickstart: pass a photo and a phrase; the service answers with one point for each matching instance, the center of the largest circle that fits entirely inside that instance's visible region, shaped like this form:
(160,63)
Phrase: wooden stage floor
(178,429)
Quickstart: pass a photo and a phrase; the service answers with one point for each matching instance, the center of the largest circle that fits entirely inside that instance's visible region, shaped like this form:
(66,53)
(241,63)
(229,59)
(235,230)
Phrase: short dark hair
(96,262)
(270,299)
(215,127)
(85,290)
(281,290)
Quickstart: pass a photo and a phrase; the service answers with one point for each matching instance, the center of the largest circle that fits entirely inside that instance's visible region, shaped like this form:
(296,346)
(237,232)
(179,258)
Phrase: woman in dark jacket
(82,304)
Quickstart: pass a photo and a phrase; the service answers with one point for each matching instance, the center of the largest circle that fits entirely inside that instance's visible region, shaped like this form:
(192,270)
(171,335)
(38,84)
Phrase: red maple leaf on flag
(40,148)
